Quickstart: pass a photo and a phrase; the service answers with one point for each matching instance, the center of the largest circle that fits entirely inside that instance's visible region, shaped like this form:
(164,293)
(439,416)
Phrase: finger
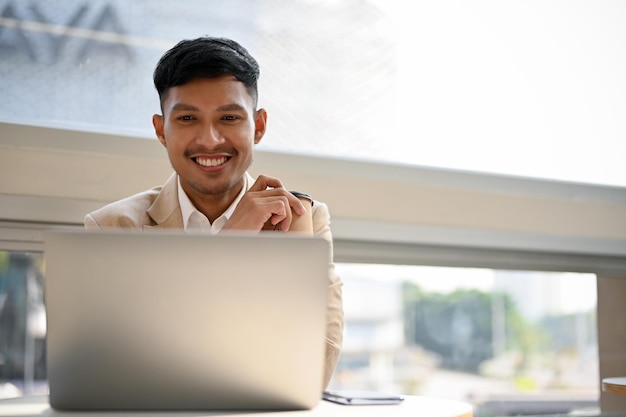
(281,216)
(292,201)
(297,206)
(275,186)
(263,182)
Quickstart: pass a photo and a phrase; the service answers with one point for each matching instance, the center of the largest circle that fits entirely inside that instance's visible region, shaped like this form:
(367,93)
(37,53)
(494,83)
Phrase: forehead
(208,93)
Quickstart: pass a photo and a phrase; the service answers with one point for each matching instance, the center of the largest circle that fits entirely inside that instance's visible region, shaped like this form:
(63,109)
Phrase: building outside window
(509,342)
(22,324)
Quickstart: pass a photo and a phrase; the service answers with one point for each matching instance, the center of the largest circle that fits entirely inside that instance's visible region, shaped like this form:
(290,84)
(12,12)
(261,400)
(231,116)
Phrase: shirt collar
(194,219)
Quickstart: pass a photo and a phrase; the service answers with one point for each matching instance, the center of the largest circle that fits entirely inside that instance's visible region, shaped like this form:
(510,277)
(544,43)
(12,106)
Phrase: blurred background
(531,89)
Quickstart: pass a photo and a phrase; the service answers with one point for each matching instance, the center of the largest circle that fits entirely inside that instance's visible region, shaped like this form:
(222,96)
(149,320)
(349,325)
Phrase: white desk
(616,385)
(412,406)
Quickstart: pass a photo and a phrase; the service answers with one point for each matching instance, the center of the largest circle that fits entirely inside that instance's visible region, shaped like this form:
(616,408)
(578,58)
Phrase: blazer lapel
(165,210)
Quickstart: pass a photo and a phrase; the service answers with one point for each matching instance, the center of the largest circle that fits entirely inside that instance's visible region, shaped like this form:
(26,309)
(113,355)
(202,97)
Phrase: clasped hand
(267,205)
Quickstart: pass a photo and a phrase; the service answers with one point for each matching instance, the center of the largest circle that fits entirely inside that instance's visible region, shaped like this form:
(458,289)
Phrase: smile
(210,162)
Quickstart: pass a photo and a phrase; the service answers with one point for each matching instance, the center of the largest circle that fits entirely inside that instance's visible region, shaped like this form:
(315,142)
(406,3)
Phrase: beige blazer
(159,208)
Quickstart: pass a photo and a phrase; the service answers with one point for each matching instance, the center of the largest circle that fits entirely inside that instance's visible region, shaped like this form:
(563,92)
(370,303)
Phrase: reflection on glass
(497,339)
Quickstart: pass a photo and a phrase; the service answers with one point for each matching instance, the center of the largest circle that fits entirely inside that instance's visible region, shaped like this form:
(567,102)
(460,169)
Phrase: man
(209,126)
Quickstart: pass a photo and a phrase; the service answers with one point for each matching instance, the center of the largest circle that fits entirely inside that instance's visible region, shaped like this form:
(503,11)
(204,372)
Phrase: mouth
(211,162)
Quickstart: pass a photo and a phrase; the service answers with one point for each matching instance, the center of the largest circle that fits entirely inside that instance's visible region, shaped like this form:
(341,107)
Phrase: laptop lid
(173,321)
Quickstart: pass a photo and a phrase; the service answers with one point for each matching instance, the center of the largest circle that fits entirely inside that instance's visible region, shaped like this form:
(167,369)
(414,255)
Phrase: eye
(186,118)
(230,117)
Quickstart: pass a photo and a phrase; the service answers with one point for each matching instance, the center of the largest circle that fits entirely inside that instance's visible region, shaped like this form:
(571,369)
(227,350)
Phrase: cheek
(175,136)
(173,143)
(242,134)
(169,130)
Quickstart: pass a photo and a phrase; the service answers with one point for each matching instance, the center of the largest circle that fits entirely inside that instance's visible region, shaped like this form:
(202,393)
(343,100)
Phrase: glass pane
(22,325)
(510,342)
(498,339)
(439,83)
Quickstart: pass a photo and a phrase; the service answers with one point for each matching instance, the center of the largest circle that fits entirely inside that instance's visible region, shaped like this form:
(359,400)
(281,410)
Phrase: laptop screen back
(172,321)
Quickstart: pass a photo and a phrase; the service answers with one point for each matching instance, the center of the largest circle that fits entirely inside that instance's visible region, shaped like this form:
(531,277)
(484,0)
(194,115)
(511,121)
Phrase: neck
(213,204)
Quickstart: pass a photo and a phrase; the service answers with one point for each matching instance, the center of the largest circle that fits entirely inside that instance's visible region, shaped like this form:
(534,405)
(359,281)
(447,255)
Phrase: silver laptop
(173,321)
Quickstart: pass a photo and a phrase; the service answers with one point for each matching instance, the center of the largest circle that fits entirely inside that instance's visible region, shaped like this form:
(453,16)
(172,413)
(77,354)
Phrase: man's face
(210,127)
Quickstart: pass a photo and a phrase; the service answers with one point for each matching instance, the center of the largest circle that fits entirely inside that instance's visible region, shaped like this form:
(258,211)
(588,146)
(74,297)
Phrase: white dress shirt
(195,220)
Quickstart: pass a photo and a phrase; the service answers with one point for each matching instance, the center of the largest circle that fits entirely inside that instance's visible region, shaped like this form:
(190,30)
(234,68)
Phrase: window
(446,83)
(510,342)
(22,324)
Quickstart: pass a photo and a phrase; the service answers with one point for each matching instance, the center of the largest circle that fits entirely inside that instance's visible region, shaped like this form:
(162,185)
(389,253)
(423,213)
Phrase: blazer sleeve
(334,325)
(130,212)
(91,224)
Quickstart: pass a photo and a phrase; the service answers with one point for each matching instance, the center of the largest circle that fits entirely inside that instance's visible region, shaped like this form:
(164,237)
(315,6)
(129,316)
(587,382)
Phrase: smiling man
(209,126)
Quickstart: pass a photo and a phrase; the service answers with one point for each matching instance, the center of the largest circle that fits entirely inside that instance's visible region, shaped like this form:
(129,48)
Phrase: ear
(260,123)
(157,122)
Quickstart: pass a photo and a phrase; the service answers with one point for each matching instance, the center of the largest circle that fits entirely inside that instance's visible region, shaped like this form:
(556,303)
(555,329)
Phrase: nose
(211,135)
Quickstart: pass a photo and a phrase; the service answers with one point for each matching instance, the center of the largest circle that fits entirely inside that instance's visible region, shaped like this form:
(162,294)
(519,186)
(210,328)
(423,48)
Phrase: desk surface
(412,406)
(616,385)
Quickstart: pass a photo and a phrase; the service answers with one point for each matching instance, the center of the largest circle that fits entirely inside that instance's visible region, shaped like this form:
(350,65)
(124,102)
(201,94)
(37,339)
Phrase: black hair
(205,57)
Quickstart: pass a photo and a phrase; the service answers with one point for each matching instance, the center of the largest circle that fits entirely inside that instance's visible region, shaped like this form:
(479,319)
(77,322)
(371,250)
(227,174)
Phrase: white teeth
(205,162)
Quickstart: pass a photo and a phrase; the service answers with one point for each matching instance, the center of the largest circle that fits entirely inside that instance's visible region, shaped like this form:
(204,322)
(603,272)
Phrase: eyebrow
(231,107)
(184,107)
(190,107)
